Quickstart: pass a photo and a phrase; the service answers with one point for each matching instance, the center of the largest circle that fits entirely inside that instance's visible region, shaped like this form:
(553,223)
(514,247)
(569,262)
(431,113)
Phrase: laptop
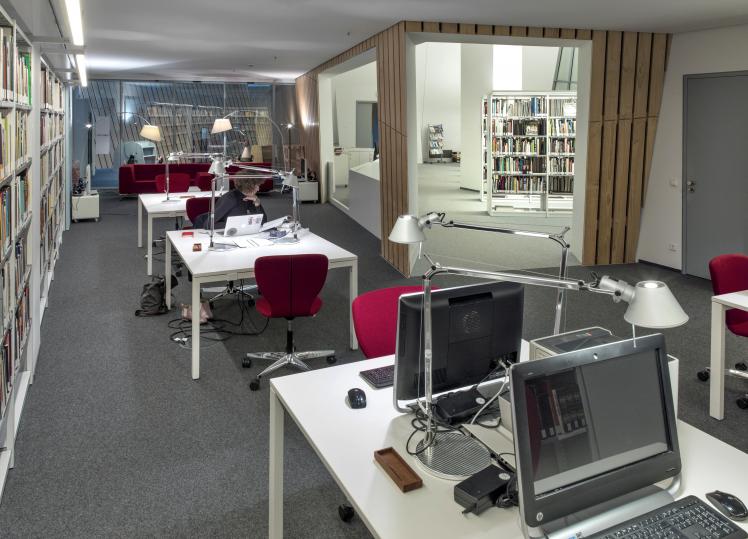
(242,225)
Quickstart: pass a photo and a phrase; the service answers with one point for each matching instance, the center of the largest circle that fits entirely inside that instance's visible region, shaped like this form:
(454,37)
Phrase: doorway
(715,160)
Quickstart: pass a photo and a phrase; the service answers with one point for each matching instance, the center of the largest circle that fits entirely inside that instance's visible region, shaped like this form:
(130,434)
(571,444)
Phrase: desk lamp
(444,453)
(148,131)
(223,125)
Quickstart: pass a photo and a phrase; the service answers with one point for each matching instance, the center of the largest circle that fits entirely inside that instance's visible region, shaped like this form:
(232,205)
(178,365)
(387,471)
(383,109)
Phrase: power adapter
(481,490)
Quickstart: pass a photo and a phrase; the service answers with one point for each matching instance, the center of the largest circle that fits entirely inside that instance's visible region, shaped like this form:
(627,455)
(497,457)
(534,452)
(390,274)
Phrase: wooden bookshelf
(32,103)
(528,146)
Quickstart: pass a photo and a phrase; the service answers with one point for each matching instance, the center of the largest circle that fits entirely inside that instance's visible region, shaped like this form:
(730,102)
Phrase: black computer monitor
(474,328)
(592,425)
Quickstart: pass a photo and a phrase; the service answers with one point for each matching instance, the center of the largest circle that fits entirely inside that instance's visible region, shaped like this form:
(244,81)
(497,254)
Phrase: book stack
(23,197)
(6,162)
(5,213)
(563,126)
(6,65)
(23,78)
(6,372)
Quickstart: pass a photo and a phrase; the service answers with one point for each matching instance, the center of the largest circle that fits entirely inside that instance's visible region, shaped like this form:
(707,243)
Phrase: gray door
(715,175)
(364,137)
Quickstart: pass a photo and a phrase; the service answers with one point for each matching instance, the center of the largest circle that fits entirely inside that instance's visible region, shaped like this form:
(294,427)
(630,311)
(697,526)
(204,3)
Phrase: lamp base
(222,247)
(453,456)
(170,200)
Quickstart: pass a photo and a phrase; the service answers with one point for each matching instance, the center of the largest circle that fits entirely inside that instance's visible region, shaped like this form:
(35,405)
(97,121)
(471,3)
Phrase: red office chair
(375,319)
(197,206)
(204,180)
(730,274)
(179,182)
(290,285)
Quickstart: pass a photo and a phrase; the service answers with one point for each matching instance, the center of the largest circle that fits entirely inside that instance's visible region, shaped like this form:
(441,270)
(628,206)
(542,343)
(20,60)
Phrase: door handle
(691,186)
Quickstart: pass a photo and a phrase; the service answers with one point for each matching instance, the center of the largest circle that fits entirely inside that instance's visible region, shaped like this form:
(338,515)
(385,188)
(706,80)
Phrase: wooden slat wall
(628,73)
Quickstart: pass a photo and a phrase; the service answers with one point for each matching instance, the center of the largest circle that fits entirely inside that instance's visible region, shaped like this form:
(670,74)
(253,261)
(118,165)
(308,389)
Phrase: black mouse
(356,398)
(728,504)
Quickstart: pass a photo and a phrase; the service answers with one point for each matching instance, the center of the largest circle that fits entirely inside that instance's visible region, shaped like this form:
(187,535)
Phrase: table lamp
(438,451)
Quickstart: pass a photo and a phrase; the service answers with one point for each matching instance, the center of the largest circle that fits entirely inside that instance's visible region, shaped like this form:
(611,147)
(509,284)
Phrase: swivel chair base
(230,289)
(282,359)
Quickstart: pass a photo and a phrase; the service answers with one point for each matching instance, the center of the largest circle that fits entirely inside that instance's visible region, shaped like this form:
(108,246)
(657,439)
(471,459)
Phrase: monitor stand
(607,514)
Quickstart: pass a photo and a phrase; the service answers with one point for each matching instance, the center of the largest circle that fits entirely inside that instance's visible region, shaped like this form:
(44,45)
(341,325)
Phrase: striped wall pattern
(628,72)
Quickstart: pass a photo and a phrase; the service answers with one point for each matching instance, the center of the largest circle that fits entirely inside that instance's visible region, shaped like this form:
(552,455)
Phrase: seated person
(240,201)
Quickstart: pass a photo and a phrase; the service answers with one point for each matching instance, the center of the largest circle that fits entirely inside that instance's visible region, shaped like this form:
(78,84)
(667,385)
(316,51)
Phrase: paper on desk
(275,223)
(253,241)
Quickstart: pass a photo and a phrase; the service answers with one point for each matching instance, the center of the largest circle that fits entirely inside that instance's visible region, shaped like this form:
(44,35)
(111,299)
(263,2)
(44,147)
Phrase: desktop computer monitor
(474,327)
(592,425)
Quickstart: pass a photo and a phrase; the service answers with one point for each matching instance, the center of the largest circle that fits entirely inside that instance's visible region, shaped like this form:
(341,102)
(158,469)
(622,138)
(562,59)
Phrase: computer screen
(591,425)
(474,327)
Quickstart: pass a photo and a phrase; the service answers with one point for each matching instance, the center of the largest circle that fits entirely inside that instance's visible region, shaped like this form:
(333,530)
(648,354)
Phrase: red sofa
(137,179)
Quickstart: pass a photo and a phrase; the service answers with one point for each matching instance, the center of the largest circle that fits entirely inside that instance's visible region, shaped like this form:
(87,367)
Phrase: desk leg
(352,293)
(167,271)
(140,223)
(275,486)
(195,328)
(150,245)
(717,366)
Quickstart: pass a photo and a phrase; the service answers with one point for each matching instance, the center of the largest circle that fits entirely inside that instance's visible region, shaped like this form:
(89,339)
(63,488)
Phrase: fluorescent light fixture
(221,125)
(75,20)
(80,59)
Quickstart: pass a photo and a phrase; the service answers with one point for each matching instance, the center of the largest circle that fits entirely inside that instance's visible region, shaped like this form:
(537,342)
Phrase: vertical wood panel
(568,33)
(597,76)
(649,149)
(584,34)
(502,30)
(628,76)
(641,87)
(467,29)
(636,182)
(605,205)
(592,193)
(413,26)
(552,32)
(612,75)
(534,31)
(519,31)
(449,28)
(657,73)
(484,29)
(431,27)
(620,194)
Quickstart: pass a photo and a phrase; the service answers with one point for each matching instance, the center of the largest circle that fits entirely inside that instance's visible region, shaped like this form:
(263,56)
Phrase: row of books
(563,145)
(561,184)
(8,299)
(6,65)
(49,162)
(23,77)
(562,126)
(23,321)
(560,409)
(51,127)
(518,184)
(7,370)
(501,127)
(518,106)
(519,145)
(561,164)
(6,160)
(23,131)
(51,91)
(519,164)
(562,107)
(23,197)
(5,218)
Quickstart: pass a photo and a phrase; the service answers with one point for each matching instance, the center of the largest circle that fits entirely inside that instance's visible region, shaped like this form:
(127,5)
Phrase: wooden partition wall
(628,72)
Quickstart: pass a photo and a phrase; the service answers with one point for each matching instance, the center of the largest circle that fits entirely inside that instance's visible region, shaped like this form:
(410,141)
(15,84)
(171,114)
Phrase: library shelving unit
(436,142)
(31,163)
(528,152)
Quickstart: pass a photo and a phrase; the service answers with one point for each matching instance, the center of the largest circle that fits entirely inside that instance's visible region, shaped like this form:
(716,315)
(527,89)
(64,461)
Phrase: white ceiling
(279,39)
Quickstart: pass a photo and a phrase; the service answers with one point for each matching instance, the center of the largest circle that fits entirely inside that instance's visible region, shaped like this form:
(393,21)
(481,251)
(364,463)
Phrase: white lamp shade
(151,132)
(221,125)
(217,167)
(245,154)
(290,180)
(407,230)
(654,306)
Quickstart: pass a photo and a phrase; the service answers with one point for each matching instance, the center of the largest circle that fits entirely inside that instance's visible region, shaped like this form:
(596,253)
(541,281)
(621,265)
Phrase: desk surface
(154,202)
(346,439)
(205,262)
(737,300)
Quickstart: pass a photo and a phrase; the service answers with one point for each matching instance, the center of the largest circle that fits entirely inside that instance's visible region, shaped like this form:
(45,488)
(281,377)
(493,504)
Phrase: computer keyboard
(688,518)
(380,377)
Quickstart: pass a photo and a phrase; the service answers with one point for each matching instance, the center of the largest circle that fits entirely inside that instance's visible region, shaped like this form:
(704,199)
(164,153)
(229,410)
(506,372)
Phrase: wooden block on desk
(398,470)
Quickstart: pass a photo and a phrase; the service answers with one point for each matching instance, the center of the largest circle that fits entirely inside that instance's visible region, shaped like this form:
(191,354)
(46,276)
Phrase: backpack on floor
(152,298)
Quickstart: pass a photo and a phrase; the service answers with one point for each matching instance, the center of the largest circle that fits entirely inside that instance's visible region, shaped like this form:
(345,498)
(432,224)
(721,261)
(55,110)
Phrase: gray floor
(116,440)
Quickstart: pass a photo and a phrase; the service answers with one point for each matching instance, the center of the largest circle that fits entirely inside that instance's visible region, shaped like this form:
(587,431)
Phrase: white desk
(720,304)
(213,266)
(345,441)
(156,208)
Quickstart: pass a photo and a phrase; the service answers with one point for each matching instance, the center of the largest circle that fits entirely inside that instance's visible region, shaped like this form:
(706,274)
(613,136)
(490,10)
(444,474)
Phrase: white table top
(346,440)
(205,262)
(154,202)
(738,300)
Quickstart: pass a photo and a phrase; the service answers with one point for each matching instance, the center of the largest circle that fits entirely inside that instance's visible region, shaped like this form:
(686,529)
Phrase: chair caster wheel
(741,366)
(703,375)
(346,513)
(331,359)
(246,362)
(742,403)
(254,385)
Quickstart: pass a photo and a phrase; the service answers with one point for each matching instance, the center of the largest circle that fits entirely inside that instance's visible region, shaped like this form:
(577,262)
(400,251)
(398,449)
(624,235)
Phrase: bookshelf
(528,145)
(32,187)
(436,142)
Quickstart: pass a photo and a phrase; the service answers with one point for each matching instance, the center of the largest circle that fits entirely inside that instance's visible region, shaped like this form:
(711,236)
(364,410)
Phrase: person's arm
(226,206)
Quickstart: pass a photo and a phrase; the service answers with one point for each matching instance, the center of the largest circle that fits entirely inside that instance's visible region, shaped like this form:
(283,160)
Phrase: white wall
(438,93)
(538,68)
(708,51)
(477,82)
(359,84)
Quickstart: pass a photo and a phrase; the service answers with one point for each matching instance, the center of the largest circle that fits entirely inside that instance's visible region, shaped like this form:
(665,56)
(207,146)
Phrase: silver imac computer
(593,426)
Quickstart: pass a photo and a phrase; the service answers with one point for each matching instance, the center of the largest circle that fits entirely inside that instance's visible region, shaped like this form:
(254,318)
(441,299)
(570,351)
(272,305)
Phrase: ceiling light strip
(75,20)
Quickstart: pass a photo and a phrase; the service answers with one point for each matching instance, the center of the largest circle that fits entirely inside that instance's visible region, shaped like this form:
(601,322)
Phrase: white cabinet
(86,206)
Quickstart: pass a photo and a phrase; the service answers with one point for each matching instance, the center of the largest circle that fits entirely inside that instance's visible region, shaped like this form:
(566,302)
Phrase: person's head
(248,186)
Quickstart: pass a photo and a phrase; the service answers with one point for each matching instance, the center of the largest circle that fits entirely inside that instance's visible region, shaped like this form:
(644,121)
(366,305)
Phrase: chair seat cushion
(737,322)
(265,309)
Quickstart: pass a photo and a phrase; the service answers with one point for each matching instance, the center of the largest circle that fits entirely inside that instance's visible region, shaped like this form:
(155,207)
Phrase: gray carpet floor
(116,440)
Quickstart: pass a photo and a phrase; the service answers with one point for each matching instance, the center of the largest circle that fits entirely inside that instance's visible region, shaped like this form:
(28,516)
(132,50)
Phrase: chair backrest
(179,182)
(291,283)
(197,206)
(375,319)
(730,274)
(204,179)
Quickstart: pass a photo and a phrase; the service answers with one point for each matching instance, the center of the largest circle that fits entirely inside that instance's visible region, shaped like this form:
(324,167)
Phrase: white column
(717,367)
(34,238)
(476,80)
(275,476)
